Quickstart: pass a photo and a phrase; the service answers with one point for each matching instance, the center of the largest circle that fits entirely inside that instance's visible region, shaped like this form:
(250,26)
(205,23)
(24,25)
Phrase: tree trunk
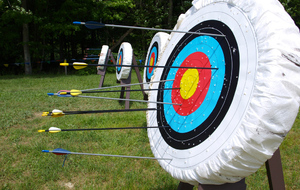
(121,39)
(28,69)
(170,15)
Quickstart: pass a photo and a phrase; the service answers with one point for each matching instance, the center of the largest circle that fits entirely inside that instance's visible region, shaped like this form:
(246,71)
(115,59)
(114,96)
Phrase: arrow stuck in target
(59,113)
(98,25)
(81,65)
(57,130)
(60,151)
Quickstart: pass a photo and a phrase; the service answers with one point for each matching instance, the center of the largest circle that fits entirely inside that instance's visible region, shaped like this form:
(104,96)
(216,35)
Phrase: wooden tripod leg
(102,73)
(185,186)
(137,71)
(275,172)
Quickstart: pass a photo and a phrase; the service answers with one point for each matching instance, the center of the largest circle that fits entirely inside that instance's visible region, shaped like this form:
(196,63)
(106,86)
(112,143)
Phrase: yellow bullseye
(151,61)
(188,83)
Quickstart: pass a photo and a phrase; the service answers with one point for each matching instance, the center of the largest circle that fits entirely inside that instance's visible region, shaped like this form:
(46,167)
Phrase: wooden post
(139,76)
(275,172)
(124,82)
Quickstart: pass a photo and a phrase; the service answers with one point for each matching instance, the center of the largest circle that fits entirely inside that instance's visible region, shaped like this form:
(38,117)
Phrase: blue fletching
(76,22)
(94,25)
(65,96)
(61,150)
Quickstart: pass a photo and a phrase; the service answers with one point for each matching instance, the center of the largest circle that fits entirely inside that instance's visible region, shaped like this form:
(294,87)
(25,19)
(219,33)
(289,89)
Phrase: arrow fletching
(51,130)
(57,151)
(90,24)
(54,113)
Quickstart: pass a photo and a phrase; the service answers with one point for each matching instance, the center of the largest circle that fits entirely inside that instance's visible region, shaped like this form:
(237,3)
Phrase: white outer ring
(103,56)
(266,102)
(162,40)
(127,60)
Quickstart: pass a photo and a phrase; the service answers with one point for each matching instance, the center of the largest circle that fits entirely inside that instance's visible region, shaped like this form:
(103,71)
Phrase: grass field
(24,166)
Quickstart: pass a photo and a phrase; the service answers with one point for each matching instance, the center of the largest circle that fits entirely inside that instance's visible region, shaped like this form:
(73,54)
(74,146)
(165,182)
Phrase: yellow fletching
(54,131)
(45,113)
(75,92)
(63,93)
(79,65)
(64,64)
(57,114)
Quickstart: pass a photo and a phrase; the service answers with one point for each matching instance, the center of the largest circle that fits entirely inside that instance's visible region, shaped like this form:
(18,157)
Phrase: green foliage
(54,36)
(293,8)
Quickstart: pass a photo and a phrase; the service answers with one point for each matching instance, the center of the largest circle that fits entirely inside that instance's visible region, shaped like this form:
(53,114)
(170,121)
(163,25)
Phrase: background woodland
(42,33)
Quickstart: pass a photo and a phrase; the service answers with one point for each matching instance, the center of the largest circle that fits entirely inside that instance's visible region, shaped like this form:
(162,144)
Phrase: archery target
(226,119)
(103,57)
(156,48)
(124,58)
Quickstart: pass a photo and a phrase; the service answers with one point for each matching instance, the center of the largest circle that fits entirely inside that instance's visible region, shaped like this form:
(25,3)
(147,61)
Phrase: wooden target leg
(185,186)
(124,82)
(102,73)
(127,97)
(139,76)
(275,172)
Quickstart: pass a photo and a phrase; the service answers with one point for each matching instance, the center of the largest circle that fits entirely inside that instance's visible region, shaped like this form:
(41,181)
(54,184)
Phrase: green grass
(24,166)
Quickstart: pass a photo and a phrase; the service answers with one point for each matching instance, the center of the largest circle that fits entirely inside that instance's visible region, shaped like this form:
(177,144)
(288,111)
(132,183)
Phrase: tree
(28,69)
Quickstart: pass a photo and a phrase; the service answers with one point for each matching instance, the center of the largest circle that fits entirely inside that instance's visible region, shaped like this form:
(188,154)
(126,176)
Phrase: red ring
(188,106)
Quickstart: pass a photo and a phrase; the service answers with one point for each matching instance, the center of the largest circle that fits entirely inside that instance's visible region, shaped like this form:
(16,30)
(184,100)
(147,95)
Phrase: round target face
(124,58)
(103,57)
(120,61)
(205,94)
(152,60)
(210,102)
(156,48)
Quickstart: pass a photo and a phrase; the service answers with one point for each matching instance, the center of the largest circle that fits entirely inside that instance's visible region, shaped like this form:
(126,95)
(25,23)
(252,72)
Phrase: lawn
(23,99)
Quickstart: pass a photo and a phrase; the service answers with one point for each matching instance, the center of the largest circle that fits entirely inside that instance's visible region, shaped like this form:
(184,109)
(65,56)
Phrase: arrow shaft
(106,98)
(172,67)
(126,85)
(106,111)
(107,155)
(131,90)
(100,25)
(106,129)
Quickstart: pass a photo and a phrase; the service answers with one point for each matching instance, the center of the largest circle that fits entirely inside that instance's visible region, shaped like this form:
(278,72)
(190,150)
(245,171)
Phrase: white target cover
(124,58)
(155,50)
(263,107)
(103,57)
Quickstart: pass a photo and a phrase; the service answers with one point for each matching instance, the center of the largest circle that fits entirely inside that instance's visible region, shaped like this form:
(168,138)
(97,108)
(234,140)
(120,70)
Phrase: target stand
(105,58)
(126,57)
(274,172)
(127,81)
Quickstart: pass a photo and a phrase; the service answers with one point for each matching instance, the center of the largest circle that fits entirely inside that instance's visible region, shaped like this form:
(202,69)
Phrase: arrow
(57,130)
(59,113)
(78,92)
(120,99)
(81,65)
(98,25)
(125,85)
(60,151)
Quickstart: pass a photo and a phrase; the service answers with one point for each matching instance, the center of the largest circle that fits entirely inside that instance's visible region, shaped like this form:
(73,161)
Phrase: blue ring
(212,49)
